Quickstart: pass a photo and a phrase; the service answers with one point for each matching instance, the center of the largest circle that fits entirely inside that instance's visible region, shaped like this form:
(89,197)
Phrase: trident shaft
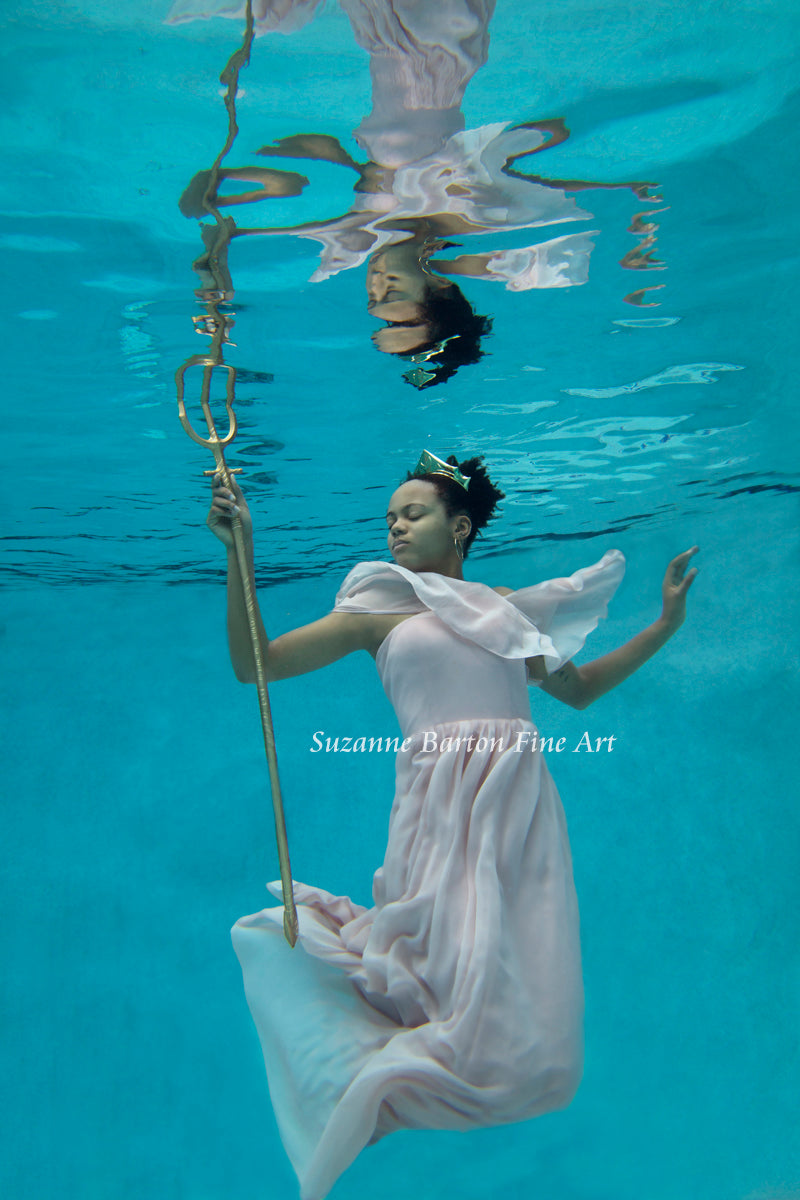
(212,441)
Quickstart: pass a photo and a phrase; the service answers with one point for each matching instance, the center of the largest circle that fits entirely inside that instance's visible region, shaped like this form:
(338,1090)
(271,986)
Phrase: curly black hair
(479,501)
(457,331)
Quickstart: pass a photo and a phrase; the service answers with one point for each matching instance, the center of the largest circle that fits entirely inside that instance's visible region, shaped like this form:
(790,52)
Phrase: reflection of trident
(217,445)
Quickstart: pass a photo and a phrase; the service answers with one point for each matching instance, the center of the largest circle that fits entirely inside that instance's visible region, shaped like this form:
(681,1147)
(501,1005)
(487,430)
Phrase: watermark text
(432,741)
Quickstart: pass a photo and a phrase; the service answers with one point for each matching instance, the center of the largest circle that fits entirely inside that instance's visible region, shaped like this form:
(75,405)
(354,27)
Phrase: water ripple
(682,373)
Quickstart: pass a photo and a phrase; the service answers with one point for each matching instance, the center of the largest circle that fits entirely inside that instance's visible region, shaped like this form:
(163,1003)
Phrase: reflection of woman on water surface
(456,1000)
(427,180)
(416,218)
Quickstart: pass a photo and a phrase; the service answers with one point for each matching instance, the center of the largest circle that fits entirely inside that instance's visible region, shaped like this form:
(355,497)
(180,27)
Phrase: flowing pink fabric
(456,1000)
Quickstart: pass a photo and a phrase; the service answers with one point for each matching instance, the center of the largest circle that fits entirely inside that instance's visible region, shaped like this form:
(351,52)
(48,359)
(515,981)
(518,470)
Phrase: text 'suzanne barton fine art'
(433,742)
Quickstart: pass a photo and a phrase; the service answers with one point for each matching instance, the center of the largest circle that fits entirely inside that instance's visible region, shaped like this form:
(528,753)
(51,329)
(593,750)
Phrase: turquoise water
(137,813)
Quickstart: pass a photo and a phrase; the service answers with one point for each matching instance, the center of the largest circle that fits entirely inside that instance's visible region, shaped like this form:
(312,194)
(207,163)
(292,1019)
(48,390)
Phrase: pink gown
(456,1000)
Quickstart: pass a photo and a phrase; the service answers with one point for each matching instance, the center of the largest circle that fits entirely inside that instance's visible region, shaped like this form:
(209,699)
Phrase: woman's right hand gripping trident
(305,649)
(225,503)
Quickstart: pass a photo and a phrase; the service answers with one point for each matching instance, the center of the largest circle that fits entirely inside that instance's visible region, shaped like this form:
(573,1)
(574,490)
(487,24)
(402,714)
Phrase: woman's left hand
(675,586)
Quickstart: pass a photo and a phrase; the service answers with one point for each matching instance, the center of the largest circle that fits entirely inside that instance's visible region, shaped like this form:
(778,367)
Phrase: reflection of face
(396,290)
(420,531)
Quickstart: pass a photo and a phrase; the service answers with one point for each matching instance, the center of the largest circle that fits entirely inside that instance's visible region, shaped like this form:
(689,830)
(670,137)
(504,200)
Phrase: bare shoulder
(503,591)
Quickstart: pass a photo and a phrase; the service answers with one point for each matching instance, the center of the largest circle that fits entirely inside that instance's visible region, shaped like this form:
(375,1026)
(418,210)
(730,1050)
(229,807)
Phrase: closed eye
(391,517)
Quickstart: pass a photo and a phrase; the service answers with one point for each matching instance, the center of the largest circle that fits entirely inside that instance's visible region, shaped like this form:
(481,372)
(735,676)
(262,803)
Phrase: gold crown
(420,375)
(429,464)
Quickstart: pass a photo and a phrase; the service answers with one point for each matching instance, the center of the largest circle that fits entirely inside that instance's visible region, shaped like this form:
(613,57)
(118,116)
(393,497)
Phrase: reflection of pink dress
(466,178)
(422,56)
(456,1000)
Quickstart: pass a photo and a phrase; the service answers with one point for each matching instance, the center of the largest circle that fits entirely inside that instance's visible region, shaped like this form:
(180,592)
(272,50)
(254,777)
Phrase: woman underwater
(456,1001)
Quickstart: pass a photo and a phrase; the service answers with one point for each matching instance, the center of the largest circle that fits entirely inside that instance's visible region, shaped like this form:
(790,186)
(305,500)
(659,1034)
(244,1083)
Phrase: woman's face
(421,535)
(396,291)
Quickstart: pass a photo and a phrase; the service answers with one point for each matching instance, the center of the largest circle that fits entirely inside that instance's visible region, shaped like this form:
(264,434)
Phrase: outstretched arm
(580,686)
(294,653)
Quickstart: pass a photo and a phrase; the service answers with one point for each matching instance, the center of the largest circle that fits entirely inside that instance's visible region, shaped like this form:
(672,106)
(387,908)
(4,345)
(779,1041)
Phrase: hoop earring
(459,548)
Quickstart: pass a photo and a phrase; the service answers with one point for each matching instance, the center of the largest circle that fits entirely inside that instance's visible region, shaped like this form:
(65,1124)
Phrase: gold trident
(217,445)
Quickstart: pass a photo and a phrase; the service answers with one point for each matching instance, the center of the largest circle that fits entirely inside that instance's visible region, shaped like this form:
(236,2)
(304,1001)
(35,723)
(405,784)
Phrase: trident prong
(213,442)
